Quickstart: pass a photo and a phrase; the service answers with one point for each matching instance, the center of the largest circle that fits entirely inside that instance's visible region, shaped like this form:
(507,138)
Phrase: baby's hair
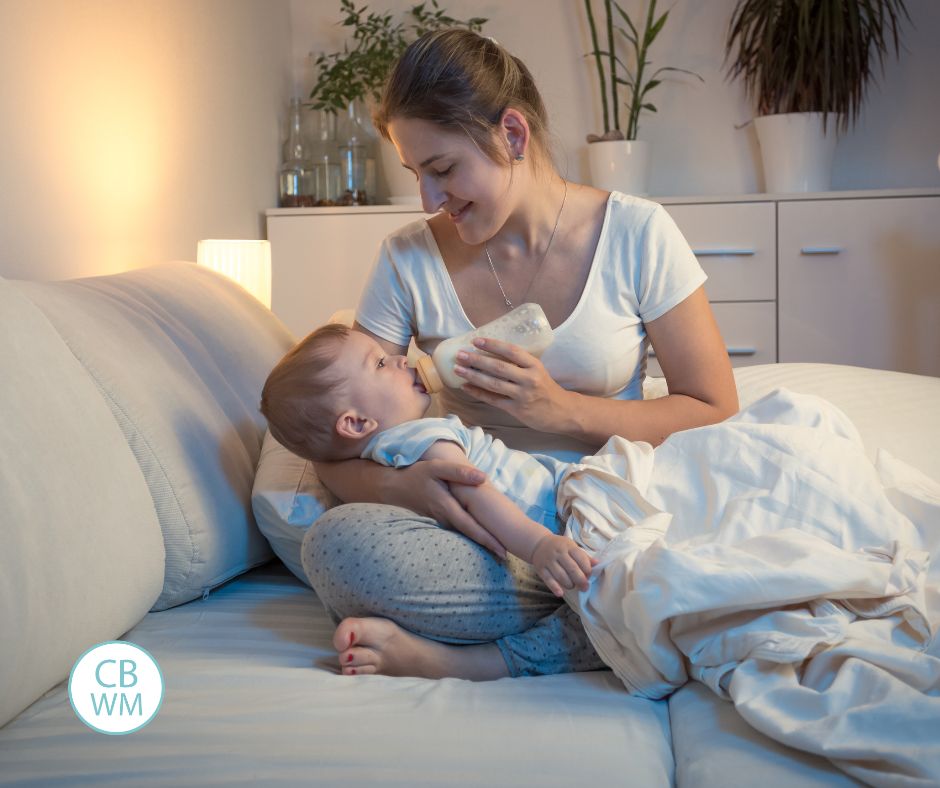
(462,81)
(299,396)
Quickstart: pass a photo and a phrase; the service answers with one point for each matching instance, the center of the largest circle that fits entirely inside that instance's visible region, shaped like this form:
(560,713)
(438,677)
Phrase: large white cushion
(180,354)
(81,554)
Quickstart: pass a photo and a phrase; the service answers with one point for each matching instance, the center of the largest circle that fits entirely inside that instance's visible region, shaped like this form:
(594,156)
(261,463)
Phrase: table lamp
(247,262)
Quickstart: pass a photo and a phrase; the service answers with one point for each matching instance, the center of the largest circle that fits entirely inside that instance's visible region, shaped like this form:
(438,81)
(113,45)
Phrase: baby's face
(380,386)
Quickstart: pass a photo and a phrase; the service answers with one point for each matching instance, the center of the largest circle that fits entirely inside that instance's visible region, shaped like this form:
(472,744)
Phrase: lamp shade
(247,262)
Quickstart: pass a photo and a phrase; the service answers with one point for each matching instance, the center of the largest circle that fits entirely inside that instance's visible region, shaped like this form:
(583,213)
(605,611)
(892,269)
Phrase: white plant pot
(400,183)
(796,154)
(620,165)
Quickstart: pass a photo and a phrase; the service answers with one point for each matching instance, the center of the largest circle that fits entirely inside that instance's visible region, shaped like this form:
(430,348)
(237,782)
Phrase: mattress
(252,699)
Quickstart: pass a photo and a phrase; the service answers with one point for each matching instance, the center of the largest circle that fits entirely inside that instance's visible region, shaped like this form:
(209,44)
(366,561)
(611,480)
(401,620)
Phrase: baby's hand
(562,564)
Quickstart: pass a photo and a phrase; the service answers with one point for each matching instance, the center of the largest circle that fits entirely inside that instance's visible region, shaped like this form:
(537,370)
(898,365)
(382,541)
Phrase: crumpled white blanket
(769,558)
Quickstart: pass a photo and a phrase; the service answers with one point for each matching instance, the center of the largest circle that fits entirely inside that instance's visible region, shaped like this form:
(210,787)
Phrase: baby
(336,395)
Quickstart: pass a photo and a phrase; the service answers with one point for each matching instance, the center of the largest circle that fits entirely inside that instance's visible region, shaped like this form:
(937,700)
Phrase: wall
(697,149)
(130,130)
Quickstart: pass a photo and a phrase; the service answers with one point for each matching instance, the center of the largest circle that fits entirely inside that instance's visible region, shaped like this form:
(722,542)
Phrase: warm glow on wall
(247,262)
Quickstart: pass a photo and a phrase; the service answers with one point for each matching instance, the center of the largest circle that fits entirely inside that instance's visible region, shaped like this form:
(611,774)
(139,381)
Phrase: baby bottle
(525,326)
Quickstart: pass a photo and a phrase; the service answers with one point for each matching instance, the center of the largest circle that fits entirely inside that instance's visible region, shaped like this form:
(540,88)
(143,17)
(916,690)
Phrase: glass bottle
(357,159)
(525,326)
(327,173)
(296,178)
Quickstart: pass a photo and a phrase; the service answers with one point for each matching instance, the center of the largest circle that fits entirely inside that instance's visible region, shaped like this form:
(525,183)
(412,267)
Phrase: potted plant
(806,65)
(617,159)
(358,73)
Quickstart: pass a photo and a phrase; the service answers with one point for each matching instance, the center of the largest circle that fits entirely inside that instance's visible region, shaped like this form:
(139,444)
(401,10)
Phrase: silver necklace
(541,260)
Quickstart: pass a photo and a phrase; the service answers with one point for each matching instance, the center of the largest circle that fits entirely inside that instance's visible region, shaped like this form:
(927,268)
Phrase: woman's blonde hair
(462,81)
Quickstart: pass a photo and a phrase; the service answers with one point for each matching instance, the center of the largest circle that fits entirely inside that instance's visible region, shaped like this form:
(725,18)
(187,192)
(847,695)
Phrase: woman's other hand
(424,487)
(515,381)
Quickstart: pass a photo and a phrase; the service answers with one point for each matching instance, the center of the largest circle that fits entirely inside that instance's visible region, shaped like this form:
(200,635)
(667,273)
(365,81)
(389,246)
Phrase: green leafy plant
(360,70)
(811,55)
(612,71)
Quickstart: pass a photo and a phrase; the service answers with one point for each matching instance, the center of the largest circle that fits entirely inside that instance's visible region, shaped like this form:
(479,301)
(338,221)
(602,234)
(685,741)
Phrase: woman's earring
(519,157)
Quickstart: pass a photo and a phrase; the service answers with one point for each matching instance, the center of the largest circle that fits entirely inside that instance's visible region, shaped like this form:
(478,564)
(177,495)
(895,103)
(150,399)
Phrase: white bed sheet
(245,703)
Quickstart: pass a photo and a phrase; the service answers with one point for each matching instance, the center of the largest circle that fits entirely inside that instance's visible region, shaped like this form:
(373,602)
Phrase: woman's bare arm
(698,373)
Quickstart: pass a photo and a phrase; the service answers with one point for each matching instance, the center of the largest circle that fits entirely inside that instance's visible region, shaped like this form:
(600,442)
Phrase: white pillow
(895,411)
(287,498)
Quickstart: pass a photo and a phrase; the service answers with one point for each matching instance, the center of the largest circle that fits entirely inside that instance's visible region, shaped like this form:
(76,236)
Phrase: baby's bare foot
(377,645)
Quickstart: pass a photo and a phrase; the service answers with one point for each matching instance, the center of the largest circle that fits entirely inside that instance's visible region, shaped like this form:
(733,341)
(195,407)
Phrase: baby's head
(334,389)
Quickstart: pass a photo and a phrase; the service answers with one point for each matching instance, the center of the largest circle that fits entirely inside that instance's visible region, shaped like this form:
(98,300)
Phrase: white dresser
(842,277)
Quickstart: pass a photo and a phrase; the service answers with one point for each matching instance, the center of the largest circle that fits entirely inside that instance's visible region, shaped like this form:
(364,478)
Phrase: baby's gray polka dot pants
(367,559)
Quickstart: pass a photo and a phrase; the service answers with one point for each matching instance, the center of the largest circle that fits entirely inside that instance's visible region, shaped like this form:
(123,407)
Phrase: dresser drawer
(749,330)
(735,244)
(860,283)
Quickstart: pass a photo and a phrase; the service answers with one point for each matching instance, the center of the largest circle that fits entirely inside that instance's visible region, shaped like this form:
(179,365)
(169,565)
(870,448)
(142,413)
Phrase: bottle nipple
(428,374)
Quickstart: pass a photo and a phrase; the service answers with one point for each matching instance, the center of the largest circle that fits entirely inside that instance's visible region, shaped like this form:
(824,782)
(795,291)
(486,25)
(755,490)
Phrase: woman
(612,273)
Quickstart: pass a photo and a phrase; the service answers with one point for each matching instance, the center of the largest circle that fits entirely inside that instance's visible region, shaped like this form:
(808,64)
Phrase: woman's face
(455,177)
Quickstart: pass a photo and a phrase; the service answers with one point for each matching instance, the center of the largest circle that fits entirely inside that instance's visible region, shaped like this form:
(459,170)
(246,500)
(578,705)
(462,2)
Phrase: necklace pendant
(509,303)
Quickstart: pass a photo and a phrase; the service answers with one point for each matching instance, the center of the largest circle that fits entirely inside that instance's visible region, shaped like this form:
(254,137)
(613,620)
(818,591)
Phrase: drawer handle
(821,250)
(724,252)
(732,351)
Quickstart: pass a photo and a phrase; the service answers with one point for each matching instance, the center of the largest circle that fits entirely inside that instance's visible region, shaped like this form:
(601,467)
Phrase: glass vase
(296,186)
(327,172)
(357,158)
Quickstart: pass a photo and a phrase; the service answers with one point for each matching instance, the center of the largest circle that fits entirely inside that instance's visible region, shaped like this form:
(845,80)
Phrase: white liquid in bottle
(525,326)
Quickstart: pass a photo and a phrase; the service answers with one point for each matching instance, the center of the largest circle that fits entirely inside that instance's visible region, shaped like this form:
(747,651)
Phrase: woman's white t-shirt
(642,268)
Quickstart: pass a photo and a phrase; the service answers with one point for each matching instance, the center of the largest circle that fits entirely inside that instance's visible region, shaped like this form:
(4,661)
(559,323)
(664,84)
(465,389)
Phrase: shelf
(343,209)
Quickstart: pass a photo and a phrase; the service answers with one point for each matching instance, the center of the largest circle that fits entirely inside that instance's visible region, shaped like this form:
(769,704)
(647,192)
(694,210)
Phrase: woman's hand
(515,381)
(424,488)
